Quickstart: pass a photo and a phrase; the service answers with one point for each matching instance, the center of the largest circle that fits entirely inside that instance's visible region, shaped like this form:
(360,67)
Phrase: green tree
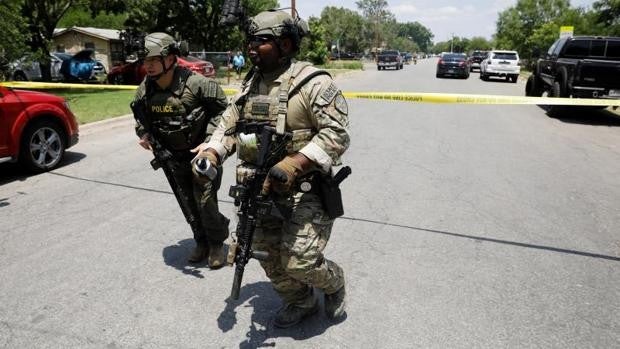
(607,16)
(479,43)
(13,30)
(81,16)
(377,15)
(343,28)
(416,32)
(314,48)
(203,31)
(516,25)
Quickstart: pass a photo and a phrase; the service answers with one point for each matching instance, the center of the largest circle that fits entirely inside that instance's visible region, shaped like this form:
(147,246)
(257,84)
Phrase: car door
(5,125)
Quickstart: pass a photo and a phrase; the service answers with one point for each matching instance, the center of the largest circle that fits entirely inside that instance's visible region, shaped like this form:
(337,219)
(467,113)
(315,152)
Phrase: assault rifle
(251,203)
(163,159)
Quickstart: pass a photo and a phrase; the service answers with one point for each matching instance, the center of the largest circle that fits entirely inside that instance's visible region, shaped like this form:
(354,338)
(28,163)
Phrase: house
(106,43)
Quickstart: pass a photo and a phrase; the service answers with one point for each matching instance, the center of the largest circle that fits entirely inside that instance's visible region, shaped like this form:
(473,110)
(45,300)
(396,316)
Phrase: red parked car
(133,73)
(35,128)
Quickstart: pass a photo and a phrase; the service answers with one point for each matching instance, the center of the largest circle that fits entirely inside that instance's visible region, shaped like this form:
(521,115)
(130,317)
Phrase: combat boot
(335,304)
(199,254)
(217,255)
(291,314)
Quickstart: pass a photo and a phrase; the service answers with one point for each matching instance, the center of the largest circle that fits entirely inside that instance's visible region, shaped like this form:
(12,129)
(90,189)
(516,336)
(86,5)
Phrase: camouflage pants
(204,197)
(295,246)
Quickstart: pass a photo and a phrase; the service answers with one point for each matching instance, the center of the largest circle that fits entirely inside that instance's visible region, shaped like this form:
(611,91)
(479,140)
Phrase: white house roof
(106,34)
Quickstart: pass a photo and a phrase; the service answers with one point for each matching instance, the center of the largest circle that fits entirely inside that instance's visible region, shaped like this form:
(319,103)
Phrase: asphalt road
(465,227)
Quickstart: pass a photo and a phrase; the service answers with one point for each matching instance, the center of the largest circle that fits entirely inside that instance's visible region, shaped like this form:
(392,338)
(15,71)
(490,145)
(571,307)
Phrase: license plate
(614,93)
(450,70)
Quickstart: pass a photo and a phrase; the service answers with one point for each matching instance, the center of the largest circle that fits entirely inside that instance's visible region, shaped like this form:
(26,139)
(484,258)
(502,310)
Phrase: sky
(463,18)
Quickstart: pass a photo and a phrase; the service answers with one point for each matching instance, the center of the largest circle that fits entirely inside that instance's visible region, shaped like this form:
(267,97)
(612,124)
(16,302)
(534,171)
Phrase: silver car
(27,69)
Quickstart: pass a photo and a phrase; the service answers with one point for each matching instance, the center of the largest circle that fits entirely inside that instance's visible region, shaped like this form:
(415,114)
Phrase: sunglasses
(257,40)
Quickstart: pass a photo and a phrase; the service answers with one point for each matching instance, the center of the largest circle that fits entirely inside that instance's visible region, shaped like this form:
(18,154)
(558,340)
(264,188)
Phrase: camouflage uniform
(185,115)
(317,116)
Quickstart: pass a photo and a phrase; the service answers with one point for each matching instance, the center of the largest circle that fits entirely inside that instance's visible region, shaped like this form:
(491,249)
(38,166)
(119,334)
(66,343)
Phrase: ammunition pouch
(182,135)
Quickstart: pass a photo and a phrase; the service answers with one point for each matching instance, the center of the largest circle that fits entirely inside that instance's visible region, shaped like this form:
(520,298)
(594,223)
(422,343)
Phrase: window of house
(89,45)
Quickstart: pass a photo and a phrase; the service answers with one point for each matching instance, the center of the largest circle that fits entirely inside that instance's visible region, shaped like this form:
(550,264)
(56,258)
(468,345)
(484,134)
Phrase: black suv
(578,67)
(475,59)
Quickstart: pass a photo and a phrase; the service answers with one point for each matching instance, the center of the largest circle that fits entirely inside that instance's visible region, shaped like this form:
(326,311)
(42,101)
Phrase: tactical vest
(177,126)
(274,108)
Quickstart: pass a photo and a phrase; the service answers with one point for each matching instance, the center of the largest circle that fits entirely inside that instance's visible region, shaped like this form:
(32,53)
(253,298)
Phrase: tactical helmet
(160,44)
(278,23)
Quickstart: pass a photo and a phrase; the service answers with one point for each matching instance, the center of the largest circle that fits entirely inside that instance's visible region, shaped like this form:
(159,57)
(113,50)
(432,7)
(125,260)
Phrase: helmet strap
(166,69)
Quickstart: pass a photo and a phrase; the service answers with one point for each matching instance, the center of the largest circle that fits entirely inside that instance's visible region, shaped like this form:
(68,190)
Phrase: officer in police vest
(295,97)
(184,108)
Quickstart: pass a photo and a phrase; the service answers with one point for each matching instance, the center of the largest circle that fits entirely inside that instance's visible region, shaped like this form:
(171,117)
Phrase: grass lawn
(95,105)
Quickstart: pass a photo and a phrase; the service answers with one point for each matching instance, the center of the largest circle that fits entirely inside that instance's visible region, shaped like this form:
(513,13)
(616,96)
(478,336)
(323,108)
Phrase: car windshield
(505,55)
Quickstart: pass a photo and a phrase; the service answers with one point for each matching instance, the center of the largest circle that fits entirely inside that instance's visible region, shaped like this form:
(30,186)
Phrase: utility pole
(451,42)
(293,11)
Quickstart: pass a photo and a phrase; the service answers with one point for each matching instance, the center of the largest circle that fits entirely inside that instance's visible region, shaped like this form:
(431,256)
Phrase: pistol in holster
(331,197)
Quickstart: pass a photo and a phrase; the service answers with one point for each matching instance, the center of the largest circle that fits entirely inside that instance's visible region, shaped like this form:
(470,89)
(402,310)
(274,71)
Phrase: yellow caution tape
(415,97)
(454,98)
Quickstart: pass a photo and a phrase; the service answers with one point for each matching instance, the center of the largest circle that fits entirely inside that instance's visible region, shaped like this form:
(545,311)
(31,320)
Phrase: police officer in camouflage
(298,98)
(184,108)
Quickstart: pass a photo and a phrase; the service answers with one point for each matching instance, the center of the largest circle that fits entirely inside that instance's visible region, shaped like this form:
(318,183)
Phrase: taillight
(461,63)
(439,62)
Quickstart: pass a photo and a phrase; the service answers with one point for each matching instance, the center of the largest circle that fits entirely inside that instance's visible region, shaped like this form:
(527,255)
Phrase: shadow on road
(584,116)
(265,303)
(10,172)
(176,257)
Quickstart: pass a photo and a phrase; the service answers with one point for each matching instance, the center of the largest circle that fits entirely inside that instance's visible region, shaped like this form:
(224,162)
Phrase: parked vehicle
(389,59)
(35,128)
(82,67)
(133,73)
(578,67)
(407,57)
(453,64)
(501,64)
(476,58)
(28,69)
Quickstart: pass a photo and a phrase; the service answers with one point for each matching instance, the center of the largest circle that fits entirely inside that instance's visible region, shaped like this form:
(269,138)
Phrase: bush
(354,65)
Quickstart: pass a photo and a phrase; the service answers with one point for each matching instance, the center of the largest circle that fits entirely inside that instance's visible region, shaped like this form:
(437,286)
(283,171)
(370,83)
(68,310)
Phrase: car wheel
(20,76)
(533,87)
(42,146)
(556,92)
